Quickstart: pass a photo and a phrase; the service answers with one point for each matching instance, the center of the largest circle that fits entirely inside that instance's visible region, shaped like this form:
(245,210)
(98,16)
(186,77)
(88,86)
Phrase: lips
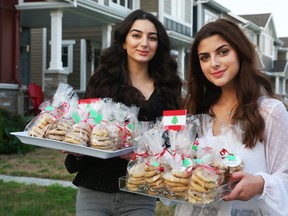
(218,74)
(141,52)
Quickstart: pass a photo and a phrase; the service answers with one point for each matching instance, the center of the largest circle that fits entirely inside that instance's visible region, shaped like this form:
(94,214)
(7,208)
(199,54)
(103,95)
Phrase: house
(270,47)
(53,41)
(60,41)
(85,42)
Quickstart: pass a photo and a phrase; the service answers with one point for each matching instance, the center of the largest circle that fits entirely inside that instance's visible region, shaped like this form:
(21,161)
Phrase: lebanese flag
(174,119)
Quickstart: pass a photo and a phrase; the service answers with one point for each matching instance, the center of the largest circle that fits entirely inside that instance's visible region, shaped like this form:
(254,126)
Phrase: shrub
(10,144)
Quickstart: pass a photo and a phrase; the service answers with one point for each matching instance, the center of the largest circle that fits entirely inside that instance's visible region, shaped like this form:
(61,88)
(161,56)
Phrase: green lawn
(32,200)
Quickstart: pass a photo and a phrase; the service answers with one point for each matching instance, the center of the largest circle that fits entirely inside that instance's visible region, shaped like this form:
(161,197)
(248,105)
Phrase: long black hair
(112,80)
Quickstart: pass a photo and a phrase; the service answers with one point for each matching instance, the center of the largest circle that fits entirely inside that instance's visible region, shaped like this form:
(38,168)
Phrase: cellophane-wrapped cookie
(112,125)
(38,126)
(79,133)
(51,110)
(100,116)
(203,185)
(155,167)
(100,138)
(135,179)
(58,129)
(177,180)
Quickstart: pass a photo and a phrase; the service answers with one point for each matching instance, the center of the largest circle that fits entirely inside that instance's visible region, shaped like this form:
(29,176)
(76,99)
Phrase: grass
(29,200)
(20,199)
(42,163)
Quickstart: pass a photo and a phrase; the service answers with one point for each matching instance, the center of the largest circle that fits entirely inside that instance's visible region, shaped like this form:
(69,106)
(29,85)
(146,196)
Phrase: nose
(215,62)
(144,42)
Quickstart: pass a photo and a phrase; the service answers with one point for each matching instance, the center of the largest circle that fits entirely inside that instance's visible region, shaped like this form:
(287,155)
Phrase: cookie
(137,170)
(168,176)
(207,185)
(41,124)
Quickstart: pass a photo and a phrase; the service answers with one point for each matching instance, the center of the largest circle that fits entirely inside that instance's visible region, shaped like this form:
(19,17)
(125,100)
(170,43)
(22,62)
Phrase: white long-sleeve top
(268,159)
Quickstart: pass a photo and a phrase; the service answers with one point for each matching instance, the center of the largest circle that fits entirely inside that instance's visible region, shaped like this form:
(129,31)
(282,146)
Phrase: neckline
(151,95)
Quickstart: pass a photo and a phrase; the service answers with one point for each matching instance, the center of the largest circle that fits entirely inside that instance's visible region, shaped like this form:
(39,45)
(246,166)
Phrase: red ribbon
(134,156)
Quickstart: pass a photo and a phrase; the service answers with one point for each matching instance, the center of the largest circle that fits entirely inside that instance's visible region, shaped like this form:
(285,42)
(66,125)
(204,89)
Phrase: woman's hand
(126,157)
(72,153)
(248,186)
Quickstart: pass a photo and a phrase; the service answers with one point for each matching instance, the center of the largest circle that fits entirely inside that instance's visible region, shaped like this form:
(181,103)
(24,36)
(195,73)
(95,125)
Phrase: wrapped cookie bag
(50,111)
(135,177)
(177,180)
(79,132)
(231,149)
(126,121)
(38,126)
(102,129)
(207,176)
(112,125)
(59,128)
(119,125)
(203,185)
(155,167)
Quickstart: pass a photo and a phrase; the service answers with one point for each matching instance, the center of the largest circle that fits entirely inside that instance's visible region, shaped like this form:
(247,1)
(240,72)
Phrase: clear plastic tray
(220,193)
(59,145)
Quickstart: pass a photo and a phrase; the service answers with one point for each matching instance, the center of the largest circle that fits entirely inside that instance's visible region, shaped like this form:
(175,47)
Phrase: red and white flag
(174,119)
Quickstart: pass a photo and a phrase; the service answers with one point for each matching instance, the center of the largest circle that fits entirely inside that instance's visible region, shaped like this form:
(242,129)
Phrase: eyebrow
(224,45)
(154,33)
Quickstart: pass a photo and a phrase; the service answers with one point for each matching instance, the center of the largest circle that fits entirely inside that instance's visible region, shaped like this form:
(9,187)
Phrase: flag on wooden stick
(174,119)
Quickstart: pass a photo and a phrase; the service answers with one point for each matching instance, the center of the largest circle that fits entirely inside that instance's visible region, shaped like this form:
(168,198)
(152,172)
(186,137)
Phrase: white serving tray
(47,143)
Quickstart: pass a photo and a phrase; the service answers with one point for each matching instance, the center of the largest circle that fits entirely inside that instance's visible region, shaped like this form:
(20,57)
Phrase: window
(209,16)
(251,36)
(176,9)
(122,3)
(266,45)
(67,55)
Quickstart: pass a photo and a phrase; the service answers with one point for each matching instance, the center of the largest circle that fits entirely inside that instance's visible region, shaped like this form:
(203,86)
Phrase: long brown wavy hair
(250,81)
(112,80)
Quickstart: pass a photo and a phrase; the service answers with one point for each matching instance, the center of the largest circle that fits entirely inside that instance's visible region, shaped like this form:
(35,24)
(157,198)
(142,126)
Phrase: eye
(223,52)
(135,35)
(203,58)
(153,38)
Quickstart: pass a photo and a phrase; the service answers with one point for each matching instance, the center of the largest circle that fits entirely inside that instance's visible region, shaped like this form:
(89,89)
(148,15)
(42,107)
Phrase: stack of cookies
(154,179)
(203,185)
(78,134)
(100,139)
(58,129)
(40,126)
(222,171)
(176,184)
(136,177)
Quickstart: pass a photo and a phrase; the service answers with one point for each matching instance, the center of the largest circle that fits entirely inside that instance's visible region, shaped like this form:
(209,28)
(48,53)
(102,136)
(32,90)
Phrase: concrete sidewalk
(38,181)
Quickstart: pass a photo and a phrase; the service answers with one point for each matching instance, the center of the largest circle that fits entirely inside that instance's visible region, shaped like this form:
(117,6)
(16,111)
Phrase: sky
(278,8)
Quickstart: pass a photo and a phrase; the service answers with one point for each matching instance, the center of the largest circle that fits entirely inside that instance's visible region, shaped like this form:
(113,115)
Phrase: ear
(124,46)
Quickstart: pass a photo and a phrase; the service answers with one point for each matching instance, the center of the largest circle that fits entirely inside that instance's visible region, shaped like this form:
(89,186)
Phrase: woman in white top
(225,83)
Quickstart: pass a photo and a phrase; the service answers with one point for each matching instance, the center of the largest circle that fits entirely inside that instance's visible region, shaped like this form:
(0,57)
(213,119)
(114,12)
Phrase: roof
(259,19)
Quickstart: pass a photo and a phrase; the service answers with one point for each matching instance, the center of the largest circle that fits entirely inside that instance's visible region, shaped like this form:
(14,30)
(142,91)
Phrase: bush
(10,144)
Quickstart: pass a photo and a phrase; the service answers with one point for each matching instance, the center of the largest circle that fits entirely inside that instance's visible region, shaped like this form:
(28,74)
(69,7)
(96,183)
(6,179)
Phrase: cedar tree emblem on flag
(174,119)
